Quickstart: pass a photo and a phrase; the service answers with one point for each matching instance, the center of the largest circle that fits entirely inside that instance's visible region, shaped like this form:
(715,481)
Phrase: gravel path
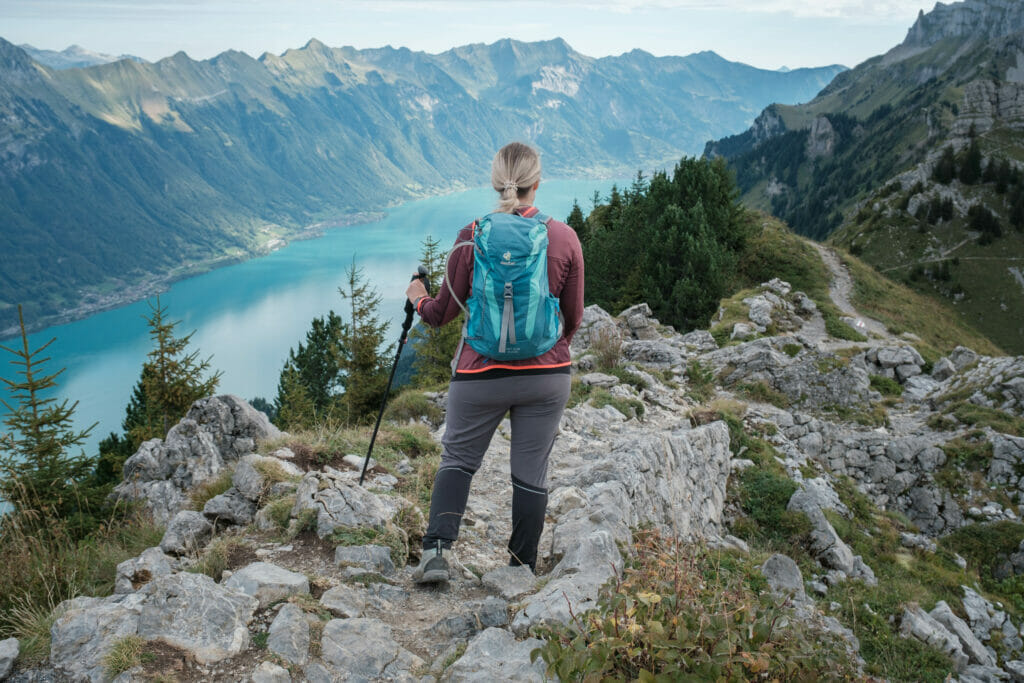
(841,288)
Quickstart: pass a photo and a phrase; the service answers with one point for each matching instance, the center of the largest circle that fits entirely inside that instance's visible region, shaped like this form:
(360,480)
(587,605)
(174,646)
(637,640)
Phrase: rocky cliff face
(972,19)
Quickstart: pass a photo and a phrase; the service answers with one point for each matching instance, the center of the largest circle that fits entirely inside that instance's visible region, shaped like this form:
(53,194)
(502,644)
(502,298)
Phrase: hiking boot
(433,567)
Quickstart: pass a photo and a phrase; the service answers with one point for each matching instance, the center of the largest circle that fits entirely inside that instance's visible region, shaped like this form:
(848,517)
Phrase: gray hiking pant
(475,408)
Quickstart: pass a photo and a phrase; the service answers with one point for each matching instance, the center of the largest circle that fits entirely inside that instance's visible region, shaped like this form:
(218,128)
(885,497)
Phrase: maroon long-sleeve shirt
(565,280)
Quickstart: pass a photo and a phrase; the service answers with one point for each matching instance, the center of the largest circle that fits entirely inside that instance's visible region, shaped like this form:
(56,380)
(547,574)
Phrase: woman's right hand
(415,290)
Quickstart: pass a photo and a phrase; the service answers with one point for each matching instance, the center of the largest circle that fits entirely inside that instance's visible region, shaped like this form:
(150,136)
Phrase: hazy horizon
(768,35)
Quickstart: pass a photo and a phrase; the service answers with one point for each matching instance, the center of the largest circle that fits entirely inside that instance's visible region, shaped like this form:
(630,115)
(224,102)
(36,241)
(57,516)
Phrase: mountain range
(72,57)
(856,164)
(118,175)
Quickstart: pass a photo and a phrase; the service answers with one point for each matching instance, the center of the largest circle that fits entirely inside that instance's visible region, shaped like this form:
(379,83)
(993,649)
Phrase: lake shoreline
(154,285)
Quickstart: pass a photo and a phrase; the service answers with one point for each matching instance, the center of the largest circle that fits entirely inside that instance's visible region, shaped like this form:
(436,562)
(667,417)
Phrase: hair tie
(511,186)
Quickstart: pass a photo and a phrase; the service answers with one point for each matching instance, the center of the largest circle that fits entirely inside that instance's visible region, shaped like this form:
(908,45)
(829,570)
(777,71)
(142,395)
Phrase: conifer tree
(172,380)
(39,474)
(576,221)
(945,167)
(434,346)
(295,410)
(364,363)
(315,367)
(970,170)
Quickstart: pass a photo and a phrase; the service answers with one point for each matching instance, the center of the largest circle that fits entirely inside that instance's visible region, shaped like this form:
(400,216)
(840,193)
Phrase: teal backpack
(511,314)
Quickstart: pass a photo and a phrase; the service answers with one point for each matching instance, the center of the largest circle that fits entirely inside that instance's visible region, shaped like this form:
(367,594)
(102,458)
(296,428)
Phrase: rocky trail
(841,288)
(295,573)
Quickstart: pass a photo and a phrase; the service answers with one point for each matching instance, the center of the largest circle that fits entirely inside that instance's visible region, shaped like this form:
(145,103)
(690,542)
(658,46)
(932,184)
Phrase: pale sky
(763,33)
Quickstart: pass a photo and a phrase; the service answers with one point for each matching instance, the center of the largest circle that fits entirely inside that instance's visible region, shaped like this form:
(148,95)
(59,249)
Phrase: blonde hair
(515,169)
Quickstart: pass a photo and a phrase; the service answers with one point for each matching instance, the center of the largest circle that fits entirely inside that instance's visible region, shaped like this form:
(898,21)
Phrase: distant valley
(121,175)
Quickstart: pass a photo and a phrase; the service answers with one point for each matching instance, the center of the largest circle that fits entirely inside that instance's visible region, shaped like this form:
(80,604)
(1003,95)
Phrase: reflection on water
(248,315)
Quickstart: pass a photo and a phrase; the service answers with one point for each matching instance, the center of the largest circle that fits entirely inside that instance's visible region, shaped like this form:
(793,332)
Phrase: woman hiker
(533,391)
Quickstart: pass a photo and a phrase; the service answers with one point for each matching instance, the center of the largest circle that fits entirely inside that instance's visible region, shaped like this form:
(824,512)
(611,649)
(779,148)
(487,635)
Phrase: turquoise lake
(247,316)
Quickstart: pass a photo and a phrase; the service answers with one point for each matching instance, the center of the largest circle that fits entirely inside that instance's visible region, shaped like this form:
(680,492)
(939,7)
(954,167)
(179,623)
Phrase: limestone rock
(86,629)
(231,507)
(784,577)
(267,582)
(760,311)
(289,635)
(134,573)
(187,533)
(654,352)
(943,369)
(495,655)
(342,502)
(958,627)
(268,672)
(192,612)
(599,379)
(214,432)
(918,624)
(474,616)
(361,559)
(8,655)
(510,582)
(743,331)
(344,650)
(344,601)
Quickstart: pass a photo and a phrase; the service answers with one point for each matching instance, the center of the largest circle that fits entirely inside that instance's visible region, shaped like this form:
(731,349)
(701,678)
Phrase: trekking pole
(409,310)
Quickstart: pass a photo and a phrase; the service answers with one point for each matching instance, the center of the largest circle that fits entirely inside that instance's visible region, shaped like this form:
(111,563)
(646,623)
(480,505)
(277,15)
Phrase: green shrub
(792,350)
(683,613)
(764,495)
(981,543)
(982,416)
(760,391)
(886,386)
(412,404)
(702,380)
(840,330)
(210,489)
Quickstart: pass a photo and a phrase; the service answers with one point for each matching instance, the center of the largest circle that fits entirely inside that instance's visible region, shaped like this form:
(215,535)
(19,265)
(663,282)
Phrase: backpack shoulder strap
(542,218)
(471,242)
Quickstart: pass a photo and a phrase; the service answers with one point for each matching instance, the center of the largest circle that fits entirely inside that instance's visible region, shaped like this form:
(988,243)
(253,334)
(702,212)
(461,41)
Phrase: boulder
(943,369)
(962,356)
(495,655)
(958,627)
(267,582)
(599,379)
(8,655)
(474,616)
(743,331)
(231,507)
(760,311)
(784,577)
(86,629)
(342,502)
(918,624)
(192,612)
(344,649)
(362,559)
(250,477)
(186,534)
(134,573)
(268,672)
(510,582)
(289,635)
(214,432)
(344,601)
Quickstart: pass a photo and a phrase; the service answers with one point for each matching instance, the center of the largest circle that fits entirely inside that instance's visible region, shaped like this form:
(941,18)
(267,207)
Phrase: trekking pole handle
(421,274)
